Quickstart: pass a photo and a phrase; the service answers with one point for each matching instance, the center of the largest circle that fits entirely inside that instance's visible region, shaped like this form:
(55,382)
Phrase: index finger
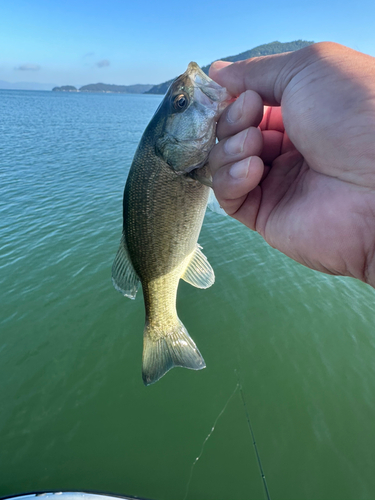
(266,75)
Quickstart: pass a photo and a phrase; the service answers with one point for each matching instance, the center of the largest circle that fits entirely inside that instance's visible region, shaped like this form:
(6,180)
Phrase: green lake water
(290,353)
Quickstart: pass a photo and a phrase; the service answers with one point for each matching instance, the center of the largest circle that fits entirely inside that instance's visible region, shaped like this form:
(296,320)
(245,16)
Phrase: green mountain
(262,50)
(107,88)
(125,89)
(65,88)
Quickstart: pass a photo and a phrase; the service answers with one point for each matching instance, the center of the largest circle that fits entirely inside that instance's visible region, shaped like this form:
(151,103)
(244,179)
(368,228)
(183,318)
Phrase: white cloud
(28,67)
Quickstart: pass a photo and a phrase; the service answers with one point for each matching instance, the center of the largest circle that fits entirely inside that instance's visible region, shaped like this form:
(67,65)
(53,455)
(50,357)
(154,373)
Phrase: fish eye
(180,102)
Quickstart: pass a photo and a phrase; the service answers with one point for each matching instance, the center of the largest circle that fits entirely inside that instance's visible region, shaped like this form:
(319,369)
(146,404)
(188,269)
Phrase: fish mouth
(208,92)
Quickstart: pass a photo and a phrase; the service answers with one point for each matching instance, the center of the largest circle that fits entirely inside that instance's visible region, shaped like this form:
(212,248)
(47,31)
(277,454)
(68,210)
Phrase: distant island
(65,88)
(106,88)
(261,50)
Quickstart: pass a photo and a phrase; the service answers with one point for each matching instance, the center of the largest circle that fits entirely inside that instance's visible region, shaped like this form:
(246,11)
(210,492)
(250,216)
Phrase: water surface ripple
(74,412)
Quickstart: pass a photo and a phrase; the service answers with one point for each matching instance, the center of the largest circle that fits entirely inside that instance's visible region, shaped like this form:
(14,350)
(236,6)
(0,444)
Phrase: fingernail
(240,169)
(235,110)
(234,144)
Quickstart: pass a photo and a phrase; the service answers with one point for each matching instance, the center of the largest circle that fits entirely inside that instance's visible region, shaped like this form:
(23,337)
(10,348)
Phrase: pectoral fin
(214,205)
(198,175)
(199,272)
(124,278)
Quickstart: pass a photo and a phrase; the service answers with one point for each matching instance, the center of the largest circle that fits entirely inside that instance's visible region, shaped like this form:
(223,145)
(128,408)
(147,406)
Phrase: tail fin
(175,348)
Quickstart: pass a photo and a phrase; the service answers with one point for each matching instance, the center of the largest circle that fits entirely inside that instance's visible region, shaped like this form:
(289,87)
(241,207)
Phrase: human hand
(301,170)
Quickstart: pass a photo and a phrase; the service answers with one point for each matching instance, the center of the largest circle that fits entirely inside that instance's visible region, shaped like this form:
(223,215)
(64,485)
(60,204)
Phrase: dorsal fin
(199,272)
(124,278)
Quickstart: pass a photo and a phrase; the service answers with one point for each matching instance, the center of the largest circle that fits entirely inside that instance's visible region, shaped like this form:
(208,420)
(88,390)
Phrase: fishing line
(207,438)
(253,439)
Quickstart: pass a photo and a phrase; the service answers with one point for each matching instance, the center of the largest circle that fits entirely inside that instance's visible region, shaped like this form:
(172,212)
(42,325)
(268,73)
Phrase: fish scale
(163,211)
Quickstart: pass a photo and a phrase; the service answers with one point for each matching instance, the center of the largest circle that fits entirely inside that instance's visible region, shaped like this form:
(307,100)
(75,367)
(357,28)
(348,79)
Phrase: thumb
(266,75)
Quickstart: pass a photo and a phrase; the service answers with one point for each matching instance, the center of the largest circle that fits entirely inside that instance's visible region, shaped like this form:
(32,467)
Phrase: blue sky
(132,41)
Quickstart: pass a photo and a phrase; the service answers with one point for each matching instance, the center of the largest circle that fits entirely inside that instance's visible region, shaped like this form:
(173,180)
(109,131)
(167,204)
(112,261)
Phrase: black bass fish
(164,204)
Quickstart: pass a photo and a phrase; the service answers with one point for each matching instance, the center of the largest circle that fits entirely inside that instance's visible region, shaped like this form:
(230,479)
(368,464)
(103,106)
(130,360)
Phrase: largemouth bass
(164,204)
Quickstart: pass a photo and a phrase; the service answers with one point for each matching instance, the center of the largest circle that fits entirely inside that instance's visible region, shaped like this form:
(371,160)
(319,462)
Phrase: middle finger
(246,143)
(245,112)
